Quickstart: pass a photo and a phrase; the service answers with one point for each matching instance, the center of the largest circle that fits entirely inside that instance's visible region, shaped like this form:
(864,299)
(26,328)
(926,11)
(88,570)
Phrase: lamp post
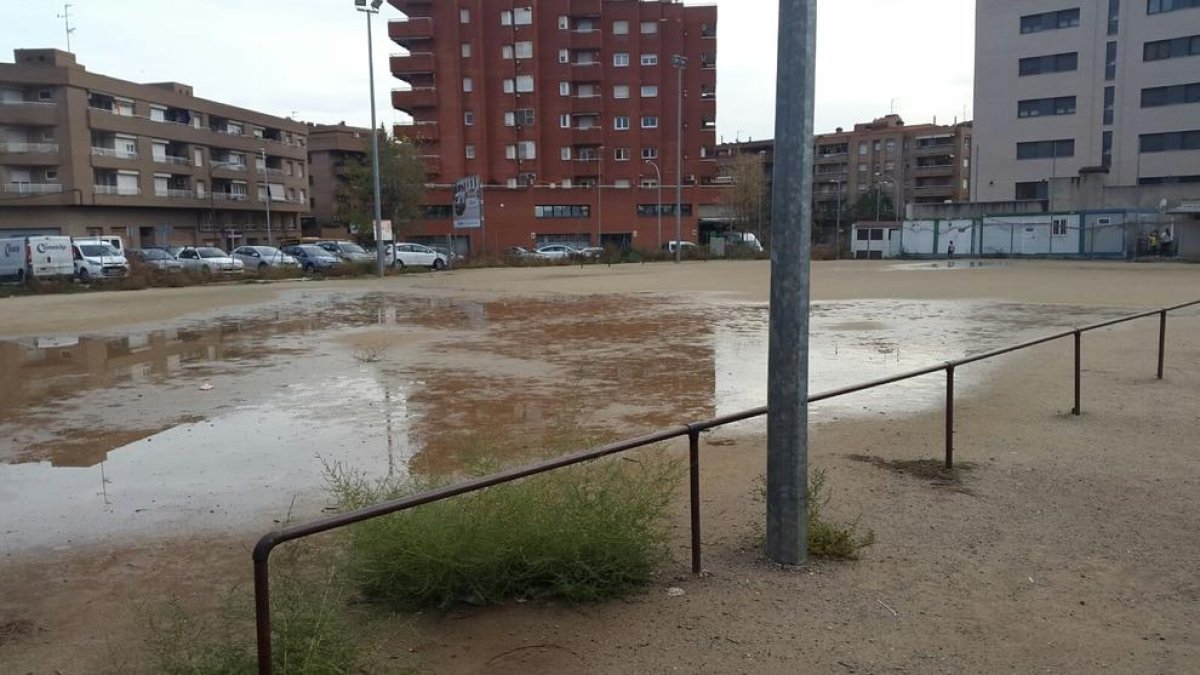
(762,162)
(600,197)
(837,228)
(680,63)
(267,183)
(361,5)
(212,199)
(658,176)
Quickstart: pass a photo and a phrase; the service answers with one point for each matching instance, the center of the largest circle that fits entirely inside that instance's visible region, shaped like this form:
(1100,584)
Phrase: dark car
(312,258)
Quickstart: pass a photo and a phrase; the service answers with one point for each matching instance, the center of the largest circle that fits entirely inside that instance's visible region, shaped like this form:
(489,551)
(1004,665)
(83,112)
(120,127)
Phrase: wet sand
(1067,548)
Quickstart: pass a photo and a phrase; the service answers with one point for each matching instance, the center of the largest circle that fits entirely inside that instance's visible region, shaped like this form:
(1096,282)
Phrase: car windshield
(154,254)
(266,251)
(209,252)
(352,248)
(97,250)
(314,251)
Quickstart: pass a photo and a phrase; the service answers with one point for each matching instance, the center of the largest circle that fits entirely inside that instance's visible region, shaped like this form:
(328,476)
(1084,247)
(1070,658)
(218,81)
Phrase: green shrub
(582,534)
(826,539)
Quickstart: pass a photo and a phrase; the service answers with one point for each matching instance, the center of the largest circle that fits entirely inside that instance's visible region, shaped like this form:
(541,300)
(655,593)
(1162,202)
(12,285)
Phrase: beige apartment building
(1068,85)
(86,154)
(330,147)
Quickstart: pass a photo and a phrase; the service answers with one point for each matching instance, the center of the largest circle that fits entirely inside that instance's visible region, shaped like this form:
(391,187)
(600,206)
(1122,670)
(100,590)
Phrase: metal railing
(31,188)
(266,544)
(119,190)
(21,148)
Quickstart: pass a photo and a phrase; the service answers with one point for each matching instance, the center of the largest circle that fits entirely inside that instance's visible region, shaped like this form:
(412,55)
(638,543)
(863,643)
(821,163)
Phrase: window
(622,183)
(464,15)
(565,153)
(891,146)
(621,59)
(862,168)
(564,88)
(1110,62)
(1106,150)
(521,118)
(1160,6)
(506,52)
(621,122)
(522,150)
(506,18)
(878,147)
(649,90)
(650,153)
(562,211)
(1036,23)
(1171,49)
(620,28)
(649,27)
(509,86)
(1170,141)
(1032,190)
(649,59)
(1058,227)
(621,91)
(524,83)
(564,56)
(621,154)
(523,16)
(1173,95)
(1046,149)
(524,50)
(649,122)
(1110,104)
(1114,16)
(863,148)
(564,121)
(468,84)
(1042,107)
(466,50)
(564,23)
(46,95)
(470,151)
(469,118)
(1053,63)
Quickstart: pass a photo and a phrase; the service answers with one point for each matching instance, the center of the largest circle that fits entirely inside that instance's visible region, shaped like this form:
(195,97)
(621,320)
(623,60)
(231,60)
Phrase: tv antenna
(66,17)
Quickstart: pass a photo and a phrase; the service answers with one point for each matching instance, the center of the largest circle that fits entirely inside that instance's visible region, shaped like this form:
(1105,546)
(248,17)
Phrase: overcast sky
(307,58)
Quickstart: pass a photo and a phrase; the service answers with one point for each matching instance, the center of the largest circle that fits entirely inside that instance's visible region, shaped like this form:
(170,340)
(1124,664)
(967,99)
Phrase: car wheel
(400,265)
(83,274)
(310,268)
(438,265)
(21,277)
(205,272)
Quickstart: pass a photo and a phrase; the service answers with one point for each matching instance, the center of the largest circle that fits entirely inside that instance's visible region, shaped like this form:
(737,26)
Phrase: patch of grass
(926,469)
(826,539)
(309,619)
(582,534)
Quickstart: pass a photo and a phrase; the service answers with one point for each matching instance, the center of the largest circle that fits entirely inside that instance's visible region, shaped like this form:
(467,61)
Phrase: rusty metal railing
(262,551)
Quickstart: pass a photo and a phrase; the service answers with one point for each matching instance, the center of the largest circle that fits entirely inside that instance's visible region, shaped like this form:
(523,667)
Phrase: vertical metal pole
(1162,342)
(262,614)
(949,416)
(379,252)
(791,254)
(1078,409)
(837,228)
(680,63)
(267,180)
(694,471)
(600,200)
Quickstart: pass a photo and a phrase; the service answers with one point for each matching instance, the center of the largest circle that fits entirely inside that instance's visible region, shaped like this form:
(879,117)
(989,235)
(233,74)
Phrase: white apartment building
(1061,85)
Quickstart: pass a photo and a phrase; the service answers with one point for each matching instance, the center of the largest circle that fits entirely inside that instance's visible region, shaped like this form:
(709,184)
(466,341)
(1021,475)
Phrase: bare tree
(745,198)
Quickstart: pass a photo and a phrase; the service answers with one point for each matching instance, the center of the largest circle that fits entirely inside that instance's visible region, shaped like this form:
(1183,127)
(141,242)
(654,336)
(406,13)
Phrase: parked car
(26,258)
(418,255)
(112,240)
(348,251)
(260,258)
(557,252)
(312,258)
(450,255)
(95,260)
(156,258)
(686,246)
(591,252)
(518,252)
(209,260)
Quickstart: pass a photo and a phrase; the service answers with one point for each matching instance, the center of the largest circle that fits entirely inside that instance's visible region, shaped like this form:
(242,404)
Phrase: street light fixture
(680,63)
(361,5)
(658,175)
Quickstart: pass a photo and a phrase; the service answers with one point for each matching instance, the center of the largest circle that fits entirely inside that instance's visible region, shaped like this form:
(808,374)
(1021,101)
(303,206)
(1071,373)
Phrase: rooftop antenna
(66,17)
(893,106)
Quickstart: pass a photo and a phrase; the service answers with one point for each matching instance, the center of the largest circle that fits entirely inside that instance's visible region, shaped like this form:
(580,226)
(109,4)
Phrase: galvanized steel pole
(379,251)
(680,63)
(791,252)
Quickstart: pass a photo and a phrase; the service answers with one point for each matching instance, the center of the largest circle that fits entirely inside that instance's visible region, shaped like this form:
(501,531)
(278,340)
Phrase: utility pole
(267,182)
(379,246)
(680,62)
(66,17)
(791,262)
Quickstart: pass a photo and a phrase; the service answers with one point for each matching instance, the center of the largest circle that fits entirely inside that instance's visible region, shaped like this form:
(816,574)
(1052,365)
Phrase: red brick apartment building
(567,111)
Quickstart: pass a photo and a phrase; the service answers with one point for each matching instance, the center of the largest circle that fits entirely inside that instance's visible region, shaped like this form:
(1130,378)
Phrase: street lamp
(267,183)
(680,63)
(658,175)
(361,5)
(600,196)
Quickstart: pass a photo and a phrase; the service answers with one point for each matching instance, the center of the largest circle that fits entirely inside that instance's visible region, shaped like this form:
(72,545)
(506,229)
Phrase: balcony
(585,8)
(412,64)
(230,167)
(419,132)
(433,164)
(175,194)
(415,29)
(587,39)
(409,100)
(946,148)
(229,196)
(113,152)
(19,148)
(31,188)
(172,159)
(933,169)
(28,113)
(119,190)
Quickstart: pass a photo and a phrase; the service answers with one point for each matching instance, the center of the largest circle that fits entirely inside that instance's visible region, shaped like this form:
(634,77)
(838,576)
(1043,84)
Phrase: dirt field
(1071,545)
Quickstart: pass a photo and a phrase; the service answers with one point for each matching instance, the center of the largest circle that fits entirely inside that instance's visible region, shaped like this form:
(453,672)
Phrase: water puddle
(224,424)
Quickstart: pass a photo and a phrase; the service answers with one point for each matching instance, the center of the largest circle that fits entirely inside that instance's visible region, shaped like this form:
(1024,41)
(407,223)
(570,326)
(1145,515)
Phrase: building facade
(567,111)
(1066,86)
(330,147)
(85,154)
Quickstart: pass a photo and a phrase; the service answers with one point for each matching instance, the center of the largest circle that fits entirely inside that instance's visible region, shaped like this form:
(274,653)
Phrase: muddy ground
(1070,546)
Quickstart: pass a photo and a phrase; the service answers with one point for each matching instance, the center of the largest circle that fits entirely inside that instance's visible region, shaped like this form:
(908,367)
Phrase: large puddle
(225,424)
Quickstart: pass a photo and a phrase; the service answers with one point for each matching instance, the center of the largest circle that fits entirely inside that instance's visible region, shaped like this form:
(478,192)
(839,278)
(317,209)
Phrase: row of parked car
(315,257)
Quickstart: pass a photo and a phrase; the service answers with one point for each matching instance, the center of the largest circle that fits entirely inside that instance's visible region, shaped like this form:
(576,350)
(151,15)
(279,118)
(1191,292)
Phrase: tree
(401,183)
(746,198)
(865,207)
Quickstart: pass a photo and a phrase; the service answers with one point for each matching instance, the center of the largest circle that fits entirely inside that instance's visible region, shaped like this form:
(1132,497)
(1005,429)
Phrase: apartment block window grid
(1110,105)
(1043,107)
(1036,23)
(1114,17)
(1175,94)
(1046,149)
(1051,63)
(1180,47)
(621,123)
(649,122)
(1110,61)
(1161,6)
(649,59)
(621,154)
(1171,141)
(621,59)
(620,28)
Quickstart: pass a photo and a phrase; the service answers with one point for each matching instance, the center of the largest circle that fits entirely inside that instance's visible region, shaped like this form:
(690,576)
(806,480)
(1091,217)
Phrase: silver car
(348,251)
(209,260)
(260,258)
(158,259)
(556,252)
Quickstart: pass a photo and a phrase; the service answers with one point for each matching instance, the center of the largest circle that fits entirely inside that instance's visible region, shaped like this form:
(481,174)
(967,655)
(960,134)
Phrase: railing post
(1078,410)
(262,609)
(949,416)
(1162,341)
(694,481)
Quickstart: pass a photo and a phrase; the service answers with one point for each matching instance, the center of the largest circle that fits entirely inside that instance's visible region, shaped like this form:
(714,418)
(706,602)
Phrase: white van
(112,240)
(27,258)
(96,259)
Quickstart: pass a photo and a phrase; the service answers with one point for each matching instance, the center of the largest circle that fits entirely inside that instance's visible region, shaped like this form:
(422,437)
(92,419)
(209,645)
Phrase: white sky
(306,58)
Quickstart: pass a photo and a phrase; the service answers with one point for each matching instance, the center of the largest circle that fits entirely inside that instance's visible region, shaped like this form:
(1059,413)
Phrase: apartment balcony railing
(175,194)
(228,166)
(229,196)
(414,99)
(113,152)
(416,28)
(412,64)
(119,190)
(19,148)
(272,171)
(31,188)
(29,103)
(173,159)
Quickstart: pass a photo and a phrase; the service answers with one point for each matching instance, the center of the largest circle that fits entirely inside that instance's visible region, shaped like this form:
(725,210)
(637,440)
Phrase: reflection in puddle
(222,424)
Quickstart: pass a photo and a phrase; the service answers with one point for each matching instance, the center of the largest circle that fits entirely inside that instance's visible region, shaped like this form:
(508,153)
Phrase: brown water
(224,424)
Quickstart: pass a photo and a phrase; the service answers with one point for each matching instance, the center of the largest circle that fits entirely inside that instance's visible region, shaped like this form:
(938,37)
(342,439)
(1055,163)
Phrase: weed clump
(582,534)
(826,539)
